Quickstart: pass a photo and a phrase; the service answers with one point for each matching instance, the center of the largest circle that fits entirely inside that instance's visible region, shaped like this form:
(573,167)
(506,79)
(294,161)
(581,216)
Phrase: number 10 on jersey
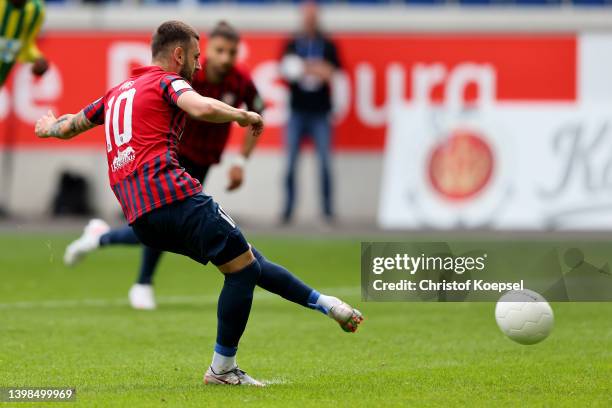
(121,106)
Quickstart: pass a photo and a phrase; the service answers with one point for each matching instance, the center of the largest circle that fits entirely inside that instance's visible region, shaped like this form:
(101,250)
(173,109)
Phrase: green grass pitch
(73,327)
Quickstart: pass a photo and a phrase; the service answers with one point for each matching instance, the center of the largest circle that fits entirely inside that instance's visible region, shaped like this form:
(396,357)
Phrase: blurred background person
(20,22)
(309,61)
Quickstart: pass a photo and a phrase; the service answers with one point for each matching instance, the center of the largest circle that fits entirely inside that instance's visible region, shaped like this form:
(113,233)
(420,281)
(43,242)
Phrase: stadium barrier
(382,71)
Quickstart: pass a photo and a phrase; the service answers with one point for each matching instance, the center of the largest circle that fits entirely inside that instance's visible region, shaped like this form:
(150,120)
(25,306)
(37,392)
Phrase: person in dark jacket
(309,62)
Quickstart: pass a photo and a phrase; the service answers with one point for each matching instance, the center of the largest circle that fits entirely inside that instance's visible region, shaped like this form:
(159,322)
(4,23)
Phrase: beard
(223,70)
(187,72)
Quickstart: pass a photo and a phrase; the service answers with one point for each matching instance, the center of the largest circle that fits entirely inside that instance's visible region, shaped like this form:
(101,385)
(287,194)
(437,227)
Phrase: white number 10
(112,115)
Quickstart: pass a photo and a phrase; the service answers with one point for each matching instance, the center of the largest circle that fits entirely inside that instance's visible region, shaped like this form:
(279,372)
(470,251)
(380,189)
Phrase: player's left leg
(277,279)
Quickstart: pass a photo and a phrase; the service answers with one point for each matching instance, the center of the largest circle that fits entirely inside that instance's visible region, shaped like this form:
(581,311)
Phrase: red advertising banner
(378,72)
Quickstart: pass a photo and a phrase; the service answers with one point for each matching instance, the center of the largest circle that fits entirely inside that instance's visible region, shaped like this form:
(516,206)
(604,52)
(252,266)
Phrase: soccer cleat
(235,376)
(347,317)
(142,297)
(87,242)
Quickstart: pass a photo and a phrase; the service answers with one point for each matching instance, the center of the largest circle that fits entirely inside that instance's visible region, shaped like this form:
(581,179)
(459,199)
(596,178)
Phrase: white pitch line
(163,300)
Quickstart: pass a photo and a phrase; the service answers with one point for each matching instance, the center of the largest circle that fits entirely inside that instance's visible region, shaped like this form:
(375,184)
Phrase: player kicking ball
(144,117)
(201,147)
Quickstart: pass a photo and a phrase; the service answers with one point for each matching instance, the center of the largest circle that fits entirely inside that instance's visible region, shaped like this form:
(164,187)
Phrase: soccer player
(20,23)
(200,147)
(143,119)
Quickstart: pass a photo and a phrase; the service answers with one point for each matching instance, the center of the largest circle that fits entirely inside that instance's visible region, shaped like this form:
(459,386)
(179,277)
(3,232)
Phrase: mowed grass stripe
(162,300)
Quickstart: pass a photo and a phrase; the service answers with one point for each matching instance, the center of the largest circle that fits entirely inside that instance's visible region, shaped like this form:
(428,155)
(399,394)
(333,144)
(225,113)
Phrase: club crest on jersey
(123,158)
(127,85)
(229,98)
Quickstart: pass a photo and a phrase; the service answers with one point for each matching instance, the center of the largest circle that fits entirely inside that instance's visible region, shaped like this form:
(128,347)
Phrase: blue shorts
(196,227)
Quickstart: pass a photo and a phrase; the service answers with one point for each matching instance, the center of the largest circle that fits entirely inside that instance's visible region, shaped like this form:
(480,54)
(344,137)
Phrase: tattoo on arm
(56,129)
(79,123)
(68,126)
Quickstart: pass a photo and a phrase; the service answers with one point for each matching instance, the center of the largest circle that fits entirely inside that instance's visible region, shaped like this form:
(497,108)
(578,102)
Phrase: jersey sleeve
(172,87)
(94,112)
(252,98)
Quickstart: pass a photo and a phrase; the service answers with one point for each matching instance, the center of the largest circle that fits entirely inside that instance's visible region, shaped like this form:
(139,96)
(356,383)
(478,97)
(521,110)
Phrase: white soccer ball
(524,316)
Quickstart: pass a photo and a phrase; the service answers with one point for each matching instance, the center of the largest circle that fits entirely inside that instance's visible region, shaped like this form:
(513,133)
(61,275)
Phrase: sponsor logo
(461,172)
(123,158)
(461,166)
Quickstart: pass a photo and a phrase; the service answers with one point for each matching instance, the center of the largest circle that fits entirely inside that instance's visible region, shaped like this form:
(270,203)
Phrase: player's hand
(254,120)
(40,66)
(236,176)
(245,119)
(44,124)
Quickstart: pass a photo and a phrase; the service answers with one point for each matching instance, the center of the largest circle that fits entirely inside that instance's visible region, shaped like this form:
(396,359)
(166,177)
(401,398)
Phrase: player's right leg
(277,279)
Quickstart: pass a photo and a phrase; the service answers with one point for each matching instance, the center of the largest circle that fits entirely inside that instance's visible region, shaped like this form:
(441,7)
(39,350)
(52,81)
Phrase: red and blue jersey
(143,125)
(204,142)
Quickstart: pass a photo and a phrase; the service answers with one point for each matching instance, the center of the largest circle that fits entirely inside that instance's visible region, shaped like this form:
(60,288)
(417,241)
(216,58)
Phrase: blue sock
(123,235)
(276,279)
(234,307)
(226,351)
(150,259)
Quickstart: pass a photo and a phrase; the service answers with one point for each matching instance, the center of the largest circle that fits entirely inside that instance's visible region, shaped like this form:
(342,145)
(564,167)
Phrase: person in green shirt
(20,22)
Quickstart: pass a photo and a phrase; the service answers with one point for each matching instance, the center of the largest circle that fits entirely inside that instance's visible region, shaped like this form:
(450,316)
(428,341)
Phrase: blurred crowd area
(515,75)
(380,3)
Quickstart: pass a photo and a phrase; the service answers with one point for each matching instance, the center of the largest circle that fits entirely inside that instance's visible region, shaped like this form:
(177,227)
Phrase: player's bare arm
(65,127)
(211,110)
